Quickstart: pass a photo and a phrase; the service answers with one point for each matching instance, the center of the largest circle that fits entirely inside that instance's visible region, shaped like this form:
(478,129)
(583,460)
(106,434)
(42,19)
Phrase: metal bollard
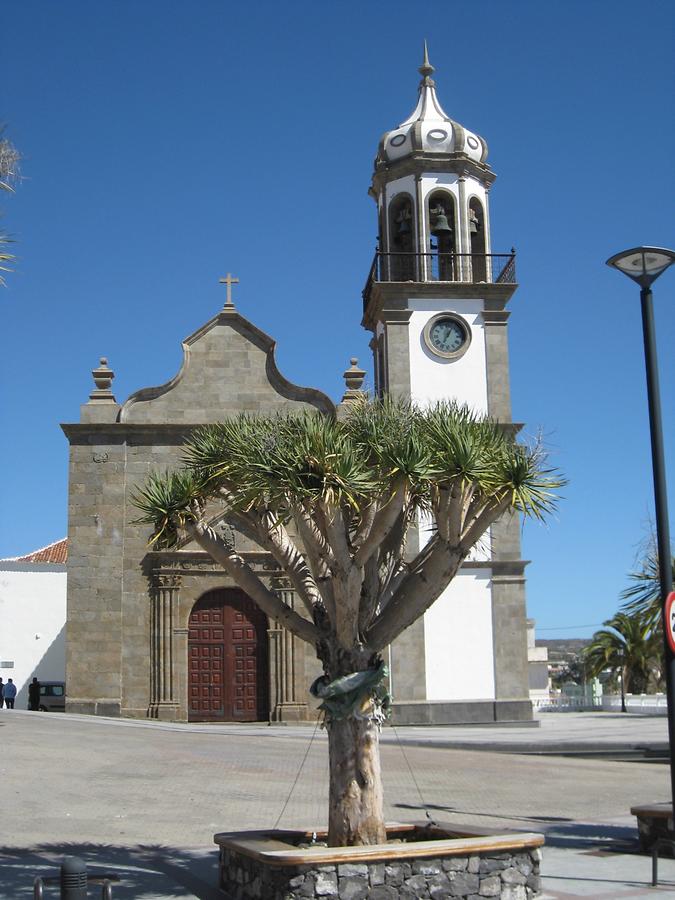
(38,889)
(73,879)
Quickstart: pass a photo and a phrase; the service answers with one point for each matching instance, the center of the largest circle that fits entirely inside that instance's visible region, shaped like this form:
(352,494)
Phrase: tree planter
(419,861)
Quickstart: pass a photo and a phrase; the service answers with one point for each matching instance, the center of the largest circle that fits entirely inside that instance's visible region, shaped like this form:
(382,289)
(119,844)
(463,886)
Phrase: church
(166,634)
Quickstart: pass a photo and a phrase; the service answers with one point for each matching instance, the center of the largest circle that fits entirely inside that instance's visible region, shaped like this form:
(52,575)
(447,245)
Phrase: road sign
(670,620)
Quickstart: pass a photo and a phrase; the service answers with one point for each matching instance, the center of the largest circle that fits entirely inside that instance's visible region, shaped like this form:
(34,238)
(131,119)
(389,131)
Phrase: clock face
(447,335)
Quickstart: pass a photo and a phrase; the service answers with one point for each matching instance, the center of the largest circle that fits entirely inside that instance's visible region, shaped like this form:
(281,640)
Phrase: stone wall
(505,875)
(418,863)
(114,588)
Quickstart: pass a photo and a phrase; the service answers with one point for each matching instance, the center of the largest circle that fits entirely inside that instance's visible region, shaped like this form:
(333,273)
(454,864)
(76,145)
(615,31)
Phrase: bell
(440,228)
(404,227)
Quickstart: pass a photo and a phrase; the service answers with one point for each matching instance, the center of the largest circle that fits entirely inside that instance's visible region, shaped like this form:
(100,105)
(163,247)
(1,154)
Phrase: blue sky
(167,143)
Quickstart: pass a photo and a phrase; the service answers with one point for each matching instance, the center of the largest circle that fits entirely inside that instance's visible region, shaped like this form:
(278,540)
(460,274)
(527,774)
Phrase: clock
(447,335)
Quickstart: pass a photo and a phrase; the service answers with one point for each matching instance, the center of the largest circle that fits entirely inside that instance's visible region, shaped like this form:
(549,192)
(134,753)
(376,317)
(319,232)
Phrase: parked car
(52,696)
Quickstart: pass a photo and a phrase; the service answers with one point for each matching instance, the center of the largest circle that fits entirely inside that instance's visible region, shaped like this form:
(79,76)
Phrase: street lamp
(644,265)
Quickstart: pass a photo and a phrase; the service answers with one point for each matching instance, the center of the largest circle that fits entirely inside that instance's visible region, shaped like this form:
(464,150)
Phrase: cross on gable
(229,281)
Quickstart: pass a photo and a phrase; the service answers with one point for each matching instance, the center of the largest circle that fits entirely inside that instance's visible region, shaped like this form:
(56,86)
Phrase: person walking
(2,693)
(34,695)
(10,693)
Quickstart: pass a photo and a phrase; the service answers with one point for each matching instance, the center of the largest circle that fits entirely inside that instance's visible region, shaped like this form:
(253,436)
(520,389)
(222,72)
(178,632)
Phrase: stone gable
(228,367)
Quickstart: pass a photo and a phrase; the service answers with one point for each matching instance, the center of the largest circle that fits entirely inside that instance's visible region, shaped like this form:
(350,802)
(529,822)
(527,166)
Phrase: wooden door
(227,648)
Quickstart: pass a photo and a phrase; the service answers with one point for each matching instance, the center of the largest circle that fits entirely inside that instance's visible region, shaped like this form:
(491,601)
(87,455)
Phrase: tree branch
(428,576)
(267,530)
(370,594)
(317,554)
(383,521)
(335,534)
(482,522)
(250,583)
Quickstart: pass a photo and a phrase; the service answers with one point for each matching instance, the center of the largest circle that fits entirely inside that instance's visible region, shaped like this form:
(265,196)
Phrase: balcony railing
(472,268)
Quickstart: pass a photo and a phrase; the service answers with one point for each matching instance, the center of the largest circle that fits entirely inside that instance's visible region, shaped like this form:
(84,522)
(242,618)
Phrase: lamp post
(644,265)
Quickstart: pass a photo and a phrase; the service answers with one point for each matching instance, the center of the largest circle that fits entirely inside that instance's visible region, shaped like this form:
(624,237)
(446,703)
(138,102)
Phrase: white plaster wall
(32,627)
(401,185)
(433,378)
(458,640)
(448,180)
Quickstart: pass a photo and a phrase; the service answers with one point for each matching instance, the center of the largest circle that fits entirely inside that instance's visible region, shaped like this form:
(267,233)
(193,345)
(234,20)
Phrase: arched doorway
(227,659)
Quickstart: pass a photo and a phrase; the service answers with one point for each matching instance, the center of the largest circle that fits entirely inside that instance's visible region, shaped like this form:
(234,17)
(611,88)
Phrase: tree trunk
(356,813)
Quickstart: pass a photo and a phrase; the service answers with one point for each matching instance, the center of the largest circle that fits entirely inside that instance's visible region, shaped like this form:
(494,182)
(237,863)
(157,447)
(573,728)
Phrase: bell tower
(436,293)
(435,302)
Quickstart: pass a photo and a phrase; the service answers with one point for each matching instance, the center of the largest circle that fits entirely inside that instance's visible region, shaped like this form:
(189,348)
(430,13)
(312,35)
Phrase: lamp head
(643,264)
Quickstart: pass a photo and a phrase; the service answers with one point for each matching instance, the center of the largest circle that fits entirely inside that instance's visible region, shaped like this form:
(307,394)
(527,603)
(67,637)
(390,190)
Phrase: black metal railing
(472,268)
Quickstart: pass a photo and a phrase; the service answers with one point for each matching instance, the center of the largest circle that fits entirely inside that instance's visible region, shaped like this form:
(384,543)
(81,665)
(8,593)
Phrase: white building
(33,617)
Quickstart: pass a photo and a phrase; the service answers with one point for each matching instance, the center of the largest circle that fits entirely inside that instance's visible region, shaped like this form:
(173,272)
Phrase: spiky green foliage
(643,596)
(280,461)
(627,645)
(5,257)
(167,501)
(476,451)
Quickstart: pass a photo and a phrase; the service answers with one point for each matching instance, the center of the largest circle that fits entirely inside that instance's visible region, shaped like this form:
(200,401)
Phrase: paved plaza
(144,799)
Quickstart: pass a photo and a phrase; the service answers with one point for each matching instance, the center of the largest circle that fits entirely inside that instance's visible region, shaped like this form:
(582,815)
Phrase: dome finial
(426,69)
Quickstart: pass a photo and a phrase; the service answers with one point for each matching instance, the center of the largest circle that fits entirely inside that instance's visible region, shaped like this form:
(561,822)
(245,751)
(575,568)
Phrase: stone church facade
(167,634)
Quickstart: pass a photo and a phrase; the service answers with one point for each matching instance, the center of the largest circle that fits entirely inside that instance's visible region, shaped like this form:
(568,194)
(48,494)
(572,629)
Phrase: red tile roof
(52,553)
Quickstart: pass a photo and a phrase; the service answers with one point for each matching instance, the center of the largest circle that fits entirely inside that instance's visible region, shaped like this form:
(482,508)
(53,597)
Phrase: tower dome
(429,129)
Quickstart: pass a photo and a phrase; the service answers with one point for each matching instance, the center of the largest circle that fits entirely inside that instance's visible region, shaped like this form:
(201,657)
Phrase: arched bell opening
(477,238)
(401,257)
(442,214)
(228,659)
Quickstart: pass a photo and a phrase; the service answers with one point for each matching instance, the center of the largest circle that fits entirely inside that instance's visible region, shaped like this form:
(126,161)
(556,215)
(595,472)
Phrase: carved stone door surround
(171,574)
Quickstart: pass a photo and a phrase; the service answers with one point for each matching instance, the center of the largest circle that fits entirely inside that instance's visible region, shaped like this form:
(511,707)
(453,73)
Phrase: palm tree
(332,500)
(643,597)
(9,172)
(629,647)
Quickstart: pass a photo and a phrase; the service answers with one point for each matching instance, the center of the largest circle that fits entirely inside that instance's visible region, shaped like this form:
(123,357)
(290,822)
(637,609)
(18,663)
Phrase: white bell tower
(435,302)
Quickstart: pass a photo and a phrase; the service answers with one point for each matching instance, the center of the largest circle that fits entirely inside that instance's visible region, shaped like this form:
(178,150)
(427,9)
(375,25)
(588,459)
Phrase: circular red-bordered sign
(670,620)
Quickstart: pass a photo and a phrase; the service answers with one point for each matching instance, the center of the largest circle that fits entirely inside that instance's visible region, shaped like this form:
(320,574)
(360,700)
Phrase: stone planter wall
(262,867)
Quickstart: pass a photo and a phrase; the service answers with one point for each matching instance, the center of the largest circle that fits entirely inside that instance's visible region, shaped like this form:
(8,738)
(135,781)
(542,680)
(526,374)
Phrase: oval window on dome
(473,143)
(437,134)
(398,140)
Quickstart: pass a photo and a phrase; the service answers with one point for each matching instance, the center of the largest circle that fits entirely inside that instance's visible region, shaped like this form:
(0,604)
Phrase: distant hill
(562,648)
